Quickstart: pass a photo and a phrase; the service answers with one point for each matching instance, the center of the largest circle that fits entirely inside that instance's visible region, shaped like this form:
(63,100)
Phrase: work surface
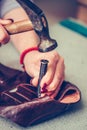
(73,47)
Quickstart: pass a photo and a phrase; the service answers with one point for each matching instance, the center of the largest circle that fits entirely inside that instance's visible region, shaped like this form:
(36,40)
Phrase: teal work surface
(73,47)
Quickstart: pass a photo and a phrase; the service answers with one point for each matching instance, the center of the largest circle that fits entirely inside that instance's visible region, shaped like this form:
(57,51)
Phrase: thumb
(34,81)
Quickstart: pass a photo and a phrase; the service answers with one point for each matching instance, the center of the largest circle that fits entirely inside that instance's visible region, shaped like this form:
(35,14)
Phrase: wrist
(25,52)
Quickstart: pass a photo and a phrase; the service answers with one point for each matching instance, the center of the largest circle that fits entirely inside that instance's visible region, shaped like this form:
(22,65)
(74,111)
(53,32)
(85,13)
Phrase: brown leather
(19,102)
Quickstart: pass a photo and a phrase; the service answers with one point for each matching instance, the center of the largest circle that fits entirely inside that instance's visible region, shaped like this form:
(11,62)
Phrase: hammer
(37,22)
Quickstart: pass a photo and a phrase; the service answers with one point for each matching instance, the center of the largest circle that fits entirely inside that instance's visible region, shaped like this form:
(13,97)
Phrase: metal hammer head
(40,25)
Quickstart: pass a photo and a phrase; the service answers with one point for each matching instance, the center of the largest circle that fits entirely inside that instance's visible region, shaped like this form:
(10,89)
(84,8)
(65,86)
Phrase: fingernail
(44,86)
(44,91)
(11,20)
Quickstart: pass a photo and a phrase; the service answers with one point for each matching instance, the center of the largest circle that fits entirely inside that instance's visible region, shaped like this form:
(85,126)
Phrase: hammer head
(40,25)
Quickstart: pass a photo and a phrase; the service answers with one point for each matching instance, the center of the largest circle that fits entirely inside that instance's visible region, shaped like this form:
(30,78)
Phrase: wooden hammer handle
(18,27)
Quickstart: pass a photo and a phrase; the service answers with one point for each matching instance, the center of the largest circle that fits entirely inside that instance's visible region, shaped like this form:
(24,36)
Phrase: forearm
(24,40)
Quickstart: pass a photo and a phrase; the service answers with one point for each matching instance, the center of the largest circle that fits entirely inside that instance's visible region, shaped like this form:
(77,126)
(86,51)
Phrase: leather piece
(19,102)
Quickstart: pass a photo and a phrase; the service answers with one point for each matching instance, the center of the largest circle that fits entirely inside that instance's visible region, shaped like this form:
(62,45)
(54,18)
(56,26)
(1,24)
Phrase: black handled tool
(40,25)
(43,70)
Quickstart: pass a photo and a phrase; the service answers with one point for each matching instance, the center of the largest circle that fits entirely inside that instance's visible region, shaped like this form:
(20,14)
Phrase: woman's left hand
(51,82)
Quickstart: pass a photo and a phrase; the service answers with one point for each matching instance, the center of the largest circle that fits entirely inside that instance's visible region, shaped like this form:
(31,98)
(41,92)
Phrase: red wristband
(25,52)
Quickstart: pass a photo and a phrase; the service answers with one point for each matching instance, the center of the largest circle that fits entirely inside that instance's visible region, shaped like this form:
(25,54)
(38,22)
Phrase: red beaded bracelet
(25,52)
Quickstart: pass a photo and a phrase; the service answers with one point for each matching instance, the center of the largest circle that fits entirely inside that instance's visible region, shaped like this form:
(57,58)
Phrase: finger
(6,21)
(4,37)
(54,93)
(59,75)
(46,80)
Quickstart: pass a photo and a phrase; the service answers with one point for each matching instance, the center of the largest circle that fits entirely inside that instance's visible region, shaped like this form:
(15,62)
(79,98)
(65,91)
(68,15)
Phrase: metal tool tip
(44,61)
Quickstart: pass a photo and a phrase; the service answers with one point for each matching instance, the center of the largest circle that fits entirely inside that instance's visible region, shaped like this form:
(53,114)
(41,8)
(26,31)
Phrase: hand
(51,82)
(4,37)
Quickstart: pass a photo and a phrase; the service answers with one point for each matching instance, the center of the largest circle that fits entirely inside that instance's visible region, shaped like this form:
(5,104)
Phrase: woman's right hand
(4,36)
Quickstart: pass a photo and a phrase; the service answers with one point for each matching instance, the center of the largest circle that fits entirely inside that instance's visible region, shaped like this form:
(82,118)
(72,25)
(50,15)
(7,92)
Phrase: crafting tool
(43,70)
(37,22)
